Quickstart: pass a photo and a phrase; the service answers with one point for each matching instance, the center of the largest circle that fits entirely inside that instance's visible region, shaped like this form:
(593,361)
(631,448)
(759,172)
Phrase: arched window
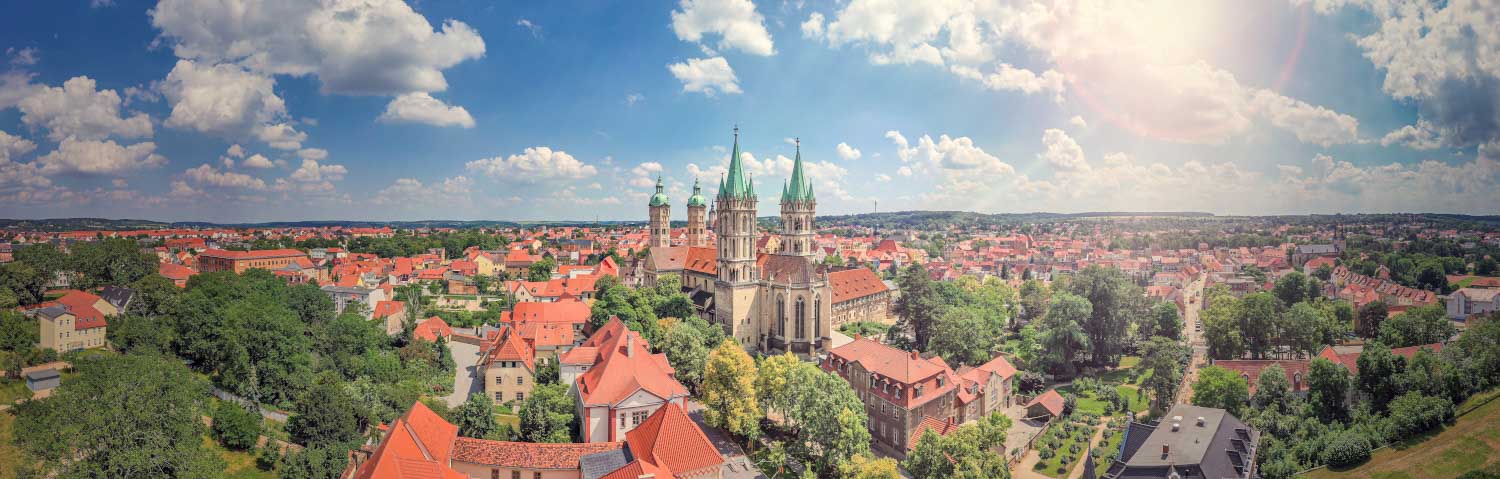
(817,316)
(801,319)
(781,316)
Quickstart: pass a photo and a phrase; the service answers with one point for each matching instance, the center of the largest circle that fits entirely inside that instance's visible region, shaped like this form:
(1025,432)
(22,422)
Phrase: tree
(1034,300)
(325,415)
(541,270)
(1220,388)
(317,462)
(109,261)
(1486,266)
(547,415)
(1115,300)
(1328,386)
(1291,288)
(676,305)
(17,331)
(965,452)
(1273,390)
(1163,358)
(827,419)
(1062,337)
(1431,276)
(1370,317)
(729,391)
(918,307)
(120,417)
(236,427)
(773,389)
(1414,413)
(1417,326)
(686,351)
(1347,449)
(1221,329)
(1164,321)
(1378,369)
(865,466)
(1323,272)
(1257,320)
(476,418)
(1301,328)
(962,337)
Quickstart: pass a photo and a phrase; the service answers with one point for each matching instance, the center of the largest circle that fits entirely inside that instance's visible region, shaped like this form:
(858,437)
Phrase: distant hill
(928,219)
(79,224)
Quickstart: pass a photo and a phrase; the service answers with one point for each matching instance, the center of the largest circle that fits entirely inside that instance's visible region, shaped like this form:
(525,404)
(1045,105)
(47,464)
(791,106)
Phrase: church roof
(697,198)
(737,185)
(799,188)
(660,198)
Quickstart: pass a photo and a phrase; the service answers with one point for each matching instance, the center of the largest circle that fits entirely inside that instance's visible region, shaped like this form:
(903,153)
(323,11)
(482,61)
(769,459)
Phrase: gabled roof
(387,308)
(854,283)
(417,445)
(512,348)
(562,312)
(929,423)
(526,455)
(671,442)
(431,328)
(1050,400)
(625,366)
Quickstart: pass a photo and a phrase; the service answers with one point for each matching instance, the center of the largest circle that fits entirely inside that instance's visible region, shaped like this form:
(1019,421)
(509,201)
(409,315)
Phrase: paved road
(466,376)
(1194,291)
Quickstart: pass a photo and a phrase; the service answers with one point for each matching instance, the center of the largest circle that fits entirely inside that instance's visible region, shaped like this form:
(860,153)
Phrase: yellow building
(74,321)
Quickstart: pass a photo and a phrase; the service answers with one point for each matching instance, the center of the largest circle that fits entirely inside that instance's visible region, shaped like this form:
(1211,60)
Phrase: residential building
(1189,442)
(76,320)
(508,368)
(1467,302)
(214,260)
(619,382)
(899,389)
(391,314)
(343,296)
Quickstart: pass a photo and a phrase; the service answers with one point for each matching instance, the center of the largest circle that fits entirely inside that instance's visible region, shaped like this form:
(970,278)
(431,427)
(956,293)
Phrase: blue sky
(381,109)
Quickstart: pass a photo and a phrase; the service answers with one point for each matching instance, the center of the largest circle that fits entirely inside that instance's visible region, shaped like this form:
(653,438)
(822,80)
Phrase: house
(1467,302)
(1189,442)
(391,314)
(343,296)
(1250,369)
(621,384)
(422,445)
(238,261)
(179,274)
(1304,253)
(508,368)
(43,380)
(76,320)
(1046,405)
(985,389)
(860,295)
(900,389)
(431,329)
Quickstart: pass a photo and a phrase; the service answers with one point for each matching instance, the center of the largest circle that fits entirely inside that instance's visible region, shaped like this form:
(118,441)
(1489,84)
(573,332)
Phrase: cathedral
(770,302)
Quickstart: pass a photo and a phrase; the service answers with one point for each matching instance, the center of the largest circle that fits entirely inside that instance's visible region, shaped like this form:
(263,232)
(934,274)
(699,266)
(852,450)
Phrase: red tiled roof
(854,284)
(81,306)
(565,312)
(513,348)
(671,441)
(256,254)
(526,455)
(431,328)
(1050,400)
(929,423)
(176,272)
(387,308)
(416,445)
(626,365)
(1250,369)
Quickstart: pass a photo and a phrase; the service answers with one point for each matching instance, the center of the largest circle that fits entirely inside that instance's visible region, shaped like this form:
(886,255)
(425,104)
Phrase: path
(1195,340)
(265,412)
(466,375)
(1026,468)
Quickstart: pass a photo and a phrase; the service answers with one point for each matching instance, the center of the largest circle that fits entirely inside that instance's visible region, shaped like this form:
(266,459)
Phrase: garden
(1064,442)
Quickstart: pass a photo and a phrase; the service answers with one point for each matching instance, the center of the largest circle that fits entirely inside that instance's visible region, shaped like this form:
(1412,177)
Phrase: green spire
(738,185)
(659,198)
(800,189)
(697,198)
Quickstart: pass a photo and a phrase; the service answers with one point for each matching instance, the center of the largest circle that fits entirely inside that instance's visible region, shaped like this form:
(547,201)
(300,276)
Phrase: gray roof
(346,289)
(1317,249)
(42,374)
(1222,447)
(598,464)
(117,296)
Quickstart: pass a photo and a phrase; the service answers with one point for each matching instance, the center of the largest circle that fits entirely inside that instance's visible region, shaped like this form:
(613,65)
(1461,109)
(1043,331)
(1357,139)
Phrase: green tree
(324,415)
(1370,317)
(1062,337)
(235,427)
(1220,388)
(1328,386)
(1034,299)
(1257,320)
(1378,369)
(1417,326)
(965,453)
(1432,277)
(676,305)
(317,462)
(119,417)
(1273,390)
(865,466)
(686,351)
(918,307)
(1301,328)
(1115,299)
(17,331)
(1414,413)
(1291,288)
(962,337)
(1163,358)
(547,415)
(476,418)
(1164,321)
(729,391)
(541,270)
(773,378)
(1221,329)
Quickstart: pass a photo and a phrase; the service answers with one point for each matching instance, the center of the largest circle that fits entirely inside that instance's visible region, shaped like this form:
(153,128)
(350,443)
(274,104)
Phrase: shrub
(1046,453)
(1414,413)
(236,427)
(269,457)
(1075,448)
(1348,449)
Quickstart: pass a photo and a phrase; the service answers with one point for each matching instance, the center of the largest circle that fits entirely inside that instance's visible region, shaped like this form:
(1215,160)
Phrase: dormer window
(919,391)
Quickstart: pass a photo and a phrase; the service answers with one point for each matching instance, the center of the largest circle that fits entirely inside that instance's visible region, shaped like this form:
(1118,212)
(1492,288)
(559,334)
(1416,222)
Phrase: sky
(279,110)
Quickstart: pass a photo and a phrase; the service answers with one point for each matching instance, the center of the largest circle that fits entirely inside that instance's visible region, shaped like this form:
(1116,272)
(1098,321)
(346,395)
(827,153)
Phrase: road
(1194,292)
(466,376)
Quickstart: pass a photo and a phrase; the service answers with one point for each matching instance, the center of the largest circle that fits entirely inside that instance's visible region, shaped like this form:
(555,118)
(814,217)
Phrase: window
(536,475)
(781,316)
(638,417)
(515,474)
(520,379)
(499,380)
(622,421)
(520,396)
(494,474)
(801,319)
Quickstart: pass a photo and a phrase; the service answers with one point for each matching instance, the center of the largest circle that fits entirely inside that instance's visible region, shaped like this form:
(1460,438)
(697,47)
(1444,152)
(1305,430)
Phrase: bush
(1348,449)
(1414,413)
(269,457)
(236,428)
(1046,452)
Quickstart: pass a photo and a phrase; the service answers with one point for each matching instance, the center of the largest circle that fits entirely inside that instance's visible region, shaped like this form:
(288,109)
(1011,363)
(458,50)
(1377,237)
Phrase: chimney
(629,345)
(916,355)
(1165,448)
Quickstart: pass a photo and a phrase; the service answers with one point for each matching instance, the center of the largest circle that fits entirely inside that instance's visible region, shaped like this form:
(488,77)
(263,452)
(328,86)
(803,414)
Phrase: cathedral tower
(738,277)
(661,218)
(697,233)
(797,211)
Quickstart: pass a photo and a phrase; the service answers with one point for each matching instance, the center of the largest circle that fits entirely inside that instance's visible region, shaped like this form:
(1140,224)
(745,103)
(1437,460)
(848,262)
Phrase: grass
(12,390)
(1470,443)
(238,464)
(1053,466)
(1111,444)
(10,457)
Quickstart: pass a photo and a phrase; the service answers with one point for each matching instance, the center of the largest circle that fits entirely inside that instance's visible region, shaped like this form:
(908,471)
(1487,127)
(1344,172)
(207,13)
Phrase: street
(1194,336)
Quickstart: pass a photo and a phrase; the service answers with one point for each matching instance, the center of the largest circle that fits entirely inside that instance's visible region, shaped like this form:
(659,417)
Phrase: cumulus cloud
(15,86)
(813,27)
(533,164)
(12,146)
(419,107)
(633,98)
(735,21)
(379,47)
(22,56)
(1062,152)
(78,110)
(312,154)
(1006,77)
(312,172)
(644,175)
(848,153)
(94,157)
(225,99)
(883,178)
(953,157)
(1078,122)
(281,136)
(208,175)
(1421,136)
(709,76)
(411,192)
(235,151)
(1311,124)
(258,162)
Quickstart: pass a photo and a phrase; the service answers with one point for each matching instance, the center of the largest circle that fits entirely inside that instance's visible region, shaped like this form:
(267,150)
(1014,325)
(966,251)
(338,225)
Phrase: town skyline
(482,111)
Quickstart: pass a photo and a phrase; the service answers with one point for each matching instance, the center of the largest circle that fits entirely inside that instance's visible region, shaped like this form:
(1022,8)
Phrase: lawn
(1062,444)
(1105,448)
(238,464)
(1470,443)
(9,456)
(12,390)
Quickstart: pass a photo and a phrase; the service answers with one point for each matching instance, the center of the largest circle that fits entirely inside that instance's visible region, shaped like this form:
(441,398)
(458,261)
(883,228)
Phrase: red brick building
(239,261)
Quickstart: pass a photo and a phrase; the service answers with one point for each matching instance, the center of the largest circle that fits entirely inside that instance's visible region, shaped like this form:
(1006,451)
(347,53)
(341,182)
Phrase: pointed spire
(697,198)
(737,184)
(800,189)
(660,198)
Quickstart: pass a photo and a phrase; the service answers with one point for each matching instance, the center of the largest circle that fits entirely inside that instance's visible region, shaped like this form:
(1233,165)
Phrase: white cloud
(1078,122)
(736,21)
(312,172)
(92,157)
(644,175)
(533,164)
(411,192)
(224,99)
(378,47)
(904,171)
(1311,124)
(12,146)
(208,175)
(419,107)
(15,86)
(281,136)
(22,57)
(633,98)
(848,153)
(954,157)
(317,154)
(79,111)
(536,30)
(1421,136)
(813,27)
(235,151)
(257,161)
(883,178)
(119,183)
(709,76)
(1009,78)
(1062,152)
